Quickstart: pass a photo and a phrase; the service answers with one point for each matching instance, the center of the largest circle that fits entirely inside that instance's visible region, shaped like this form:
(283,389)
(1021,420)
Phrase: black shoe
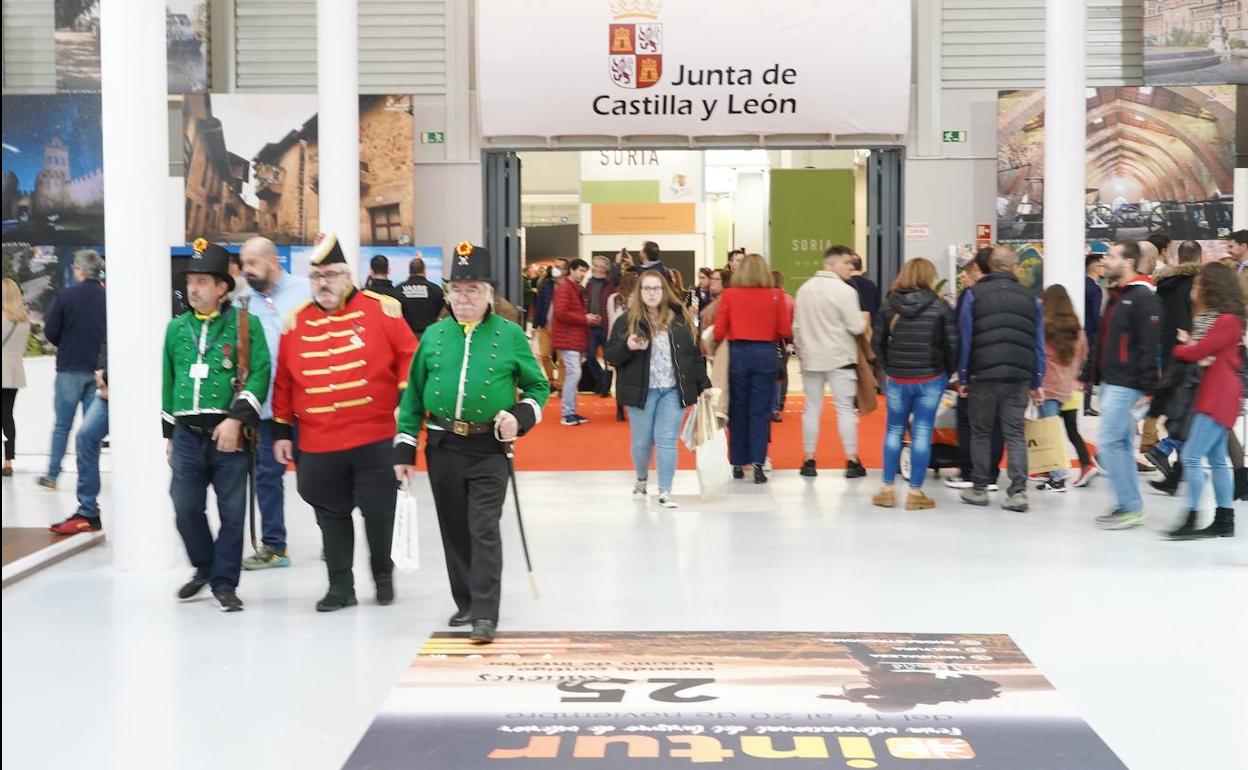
(1170,484)
(482,631)
(777,417)
(1091,413)
(1159,460)
(335,601)
(808,469)
(227,600)
(385,590)
(460,618)
(738,472)
(1187,531)
(854,470)
(759,476)
(1144,467)
(193,587)
(1223,525)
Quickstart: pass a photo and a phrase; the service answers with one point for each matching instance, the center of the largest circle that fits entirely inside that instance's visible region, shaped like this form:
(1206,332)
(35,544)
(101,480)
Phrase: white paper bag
(405,549)
(714,470)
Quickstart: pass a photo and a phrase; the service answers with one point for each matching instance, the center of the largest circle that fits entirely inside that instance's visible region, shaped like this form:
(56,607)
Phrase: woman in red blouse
(753,316)
(1215,343)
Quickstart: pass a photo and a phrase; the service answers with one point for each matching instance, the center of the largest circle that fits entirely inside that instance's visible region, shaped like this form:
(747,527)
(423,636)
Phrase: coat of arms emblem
(635,44)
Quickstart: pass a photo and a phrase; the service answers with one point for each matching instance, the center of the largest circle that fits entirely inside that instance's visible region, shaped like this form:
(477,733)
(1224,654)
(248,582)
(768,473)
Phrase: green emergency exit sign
(952,136)
(432,137)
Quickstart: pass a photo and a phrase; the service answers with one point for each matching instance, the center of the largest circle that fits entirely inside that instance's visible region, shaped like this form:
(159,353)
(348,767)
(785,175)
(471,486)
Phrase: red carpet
(603,444)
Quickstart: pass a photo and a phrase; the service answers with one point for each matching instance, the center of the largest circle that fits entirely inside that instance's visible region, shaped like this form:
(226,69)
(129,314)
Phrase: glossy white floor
(1144,637)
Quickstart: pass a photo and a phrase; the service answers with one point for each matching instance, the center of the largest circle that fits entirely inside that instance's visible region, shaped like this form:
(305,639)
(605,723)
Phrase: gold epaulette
(389,305)
(289,323)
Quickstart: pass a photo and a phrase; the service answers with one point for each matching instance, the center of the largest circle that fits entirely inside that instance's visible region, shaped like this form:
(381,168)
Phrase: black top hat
(210,259)
(328,252)
(471,263)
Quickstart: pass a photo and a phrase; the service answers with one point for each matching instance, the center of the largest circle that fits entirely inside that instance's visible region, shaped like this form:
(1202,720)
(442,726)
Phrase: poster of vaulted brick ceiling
(1158,160)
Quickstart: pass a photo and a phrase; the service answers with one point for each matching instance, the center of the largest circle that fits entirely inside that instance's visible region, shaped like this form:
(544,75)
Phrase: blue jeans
(196,464)
(270,490)
(91,435)
(921,400)
(1207,440)
(70,390)
(1117,445)
(570,362)
(656,426)
(1170,444)
(751,376)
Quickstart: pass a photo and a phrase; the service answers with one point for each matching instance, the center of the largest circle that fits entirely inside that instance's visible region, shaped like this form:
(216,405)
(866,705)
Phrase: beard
(259,283)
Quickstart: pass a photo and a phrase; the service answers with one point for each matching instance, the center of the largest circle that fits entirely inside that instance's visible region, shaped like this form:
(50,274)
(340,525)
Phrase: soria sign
(693,68)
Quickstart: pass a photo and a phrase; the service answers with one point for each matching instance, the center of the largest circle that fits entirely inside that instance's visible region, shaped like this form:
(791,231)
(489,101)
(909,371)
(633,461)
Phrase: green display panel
(811,209)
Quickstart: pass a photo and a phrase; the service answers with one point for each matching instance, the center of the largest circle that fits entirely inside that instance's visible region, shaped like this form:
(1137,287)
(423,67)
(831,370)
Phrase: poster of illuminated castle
(53,176)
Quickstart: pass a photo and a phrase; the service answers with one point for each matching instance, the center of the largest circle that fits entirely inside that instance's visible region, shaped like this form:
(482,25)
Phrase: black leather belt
(461,427)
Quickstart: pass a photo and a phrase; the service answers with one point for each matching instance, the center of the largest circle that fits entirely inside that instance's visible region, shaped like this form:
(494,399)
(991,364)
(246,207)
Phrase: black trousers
(10,428)
(965,466)
(993,405)
(335,484)
(469,488)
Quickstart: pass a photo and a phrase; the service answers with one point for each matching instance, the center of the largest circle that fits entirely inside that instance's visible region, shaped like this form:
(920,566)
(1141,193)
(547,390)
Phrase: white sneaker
(639,490)
(957,482)
(666,501)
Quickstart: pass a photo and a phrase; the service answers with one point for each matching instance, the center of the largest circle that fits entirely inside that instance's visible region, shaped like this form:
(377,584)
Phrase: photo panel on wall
(42,273)
(252,168)
(1195,42)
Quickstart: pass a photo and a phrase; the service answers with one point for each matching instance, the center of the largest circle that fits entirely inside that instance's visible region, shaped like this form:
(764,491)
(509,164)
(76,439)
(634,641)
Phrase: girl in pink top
(1066,351)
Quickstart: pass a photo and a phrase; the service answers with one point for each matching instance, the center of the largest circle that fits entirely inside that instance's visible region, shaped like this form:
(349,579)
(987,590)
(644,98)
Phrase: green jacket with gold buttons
(201,367)
(470,374)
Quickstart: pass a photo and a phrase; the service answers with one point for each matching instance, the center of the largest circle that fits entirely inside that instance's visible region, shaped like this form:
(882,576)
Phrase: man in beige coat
(826,321)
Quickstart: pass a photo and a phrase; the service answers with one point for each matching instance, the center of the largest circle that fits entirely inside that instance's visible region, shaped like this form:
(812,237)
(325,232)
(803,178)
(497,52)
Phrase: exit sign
(432,137)
(952,136)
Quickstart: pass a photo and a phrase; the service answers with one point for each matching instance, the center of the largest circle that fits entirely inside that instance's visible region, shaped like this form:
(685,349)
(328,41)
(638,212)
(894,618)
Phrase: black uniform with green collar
(463,375)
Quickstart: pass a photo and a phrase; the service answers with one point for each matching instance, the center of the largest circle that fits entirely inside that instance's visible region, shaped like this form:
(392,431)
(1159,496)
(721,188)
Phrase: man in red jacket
(342,361)
(570,335)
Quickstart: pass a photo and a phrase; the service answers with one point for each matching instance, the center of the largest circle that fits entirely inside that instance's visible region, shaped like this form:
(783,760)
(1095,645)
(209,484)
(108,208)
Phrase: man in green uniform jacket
(203,415)
(463,387)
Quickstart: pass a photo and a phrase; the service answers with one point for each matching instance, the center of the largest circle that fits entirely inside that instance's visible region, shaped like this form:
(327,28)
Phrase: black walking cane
(252,492)
(509,448)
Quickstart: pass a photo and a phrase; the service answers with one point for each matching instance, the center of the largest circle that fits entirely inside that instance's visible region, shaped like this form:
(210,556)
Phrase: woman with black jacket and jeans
(659,373)
(916,340)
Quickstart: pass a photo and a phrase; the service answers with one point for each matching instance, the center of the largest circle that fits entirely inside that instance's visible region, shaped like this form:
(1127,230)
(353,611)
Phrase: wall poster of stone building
(77,47)
(1158,160)
(1190,42)
(41,272)
(252,168)
(52,170)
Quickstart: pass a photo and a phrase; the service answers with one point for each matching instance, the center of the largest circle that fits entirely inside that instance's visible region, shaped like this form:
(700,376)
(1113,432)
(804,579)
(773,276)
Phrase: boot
(338,536)
(885,498)
(1169,484)
(1187,531)
(1223,525)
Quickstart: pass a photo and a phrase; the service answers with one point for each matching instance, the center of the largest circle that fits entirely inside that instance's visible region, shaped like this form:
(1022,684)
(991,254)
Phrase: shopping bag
(405,548)
(714,471)
(1046,445)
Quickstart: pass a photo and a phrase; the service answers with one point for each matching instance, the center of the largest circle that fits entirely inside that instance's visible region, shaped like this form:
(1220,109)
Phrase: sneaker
(1016,502)
(580,418)
(639,489)
(738,472)
(958,482)
(192,587)
(975,496)
(46,483)
(760,476)
(1106,517)
(854,470)
(1159,460)
(266,558)
(1144,467)
(227,600)
(992,488)
(1051,485)
(570,421)
(777,417)
(666,501)
(75,524)
(1086,475)
(1122,520)
(808,469)
(1167,486)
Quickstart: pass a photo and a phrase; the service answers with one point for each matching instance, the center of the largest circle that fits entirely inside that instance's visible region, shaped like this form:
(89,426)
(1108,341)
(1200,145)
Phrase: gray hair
(90,263)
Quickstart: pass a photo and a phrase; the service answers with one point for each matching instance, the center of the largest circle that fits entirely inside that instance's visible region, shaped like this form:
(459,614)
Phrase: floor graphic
(734,700)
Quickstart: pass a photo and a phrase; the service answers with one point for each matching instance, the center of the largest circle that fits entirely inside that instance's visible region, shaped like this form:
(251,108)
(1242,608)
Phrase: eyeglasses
(327,277)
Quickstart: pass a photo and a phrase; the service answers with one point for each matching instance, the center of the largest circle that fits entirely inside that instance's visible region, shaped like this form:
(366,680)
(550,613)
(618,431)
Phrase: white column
(136,169)
(338,120)
(1065,140)
(1240,206)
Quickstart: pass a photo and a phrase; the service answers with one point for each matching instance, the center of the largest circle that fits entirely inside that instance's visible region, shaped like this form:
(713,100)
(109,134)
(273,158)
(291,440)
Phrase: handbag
(405,546)
(1046,445)
(710,445)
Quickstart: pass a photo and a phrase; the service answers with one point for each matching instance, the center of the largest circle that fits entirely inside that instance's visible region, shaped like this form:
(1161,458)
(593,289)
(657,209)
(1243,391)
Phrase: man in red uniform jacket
(570,335)
(341,364)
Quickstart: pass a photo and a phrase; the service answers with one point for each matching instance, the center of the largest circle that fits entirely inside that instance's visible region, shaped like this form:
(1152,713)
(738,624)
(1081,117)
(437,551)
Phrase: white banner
(693,68)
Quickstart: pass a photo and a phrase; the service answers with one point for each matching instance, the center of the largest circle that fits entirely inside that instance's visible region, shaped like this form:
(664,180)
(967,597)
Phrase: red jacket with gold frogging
(340,372)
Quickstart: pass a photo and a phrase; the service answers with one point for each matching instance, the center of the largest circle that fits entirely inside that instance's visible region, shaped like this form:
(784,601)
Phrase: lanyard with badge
(199,369)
